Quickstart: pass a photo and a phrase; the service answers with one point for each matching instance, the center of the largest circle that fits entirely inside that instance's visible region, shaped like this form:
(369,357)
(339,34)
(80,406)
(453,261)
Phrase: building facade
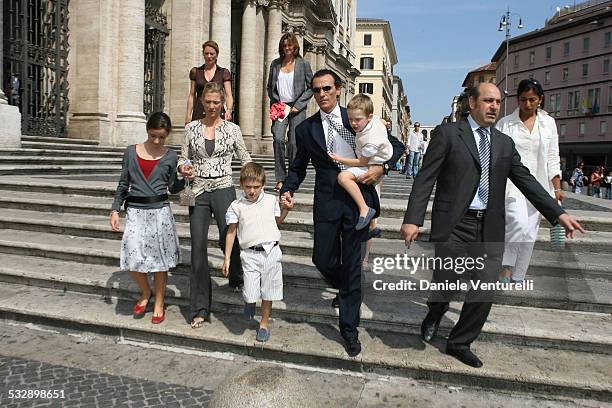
(486,73)
(570,56)
(400,115)
(376,56)
(120,60)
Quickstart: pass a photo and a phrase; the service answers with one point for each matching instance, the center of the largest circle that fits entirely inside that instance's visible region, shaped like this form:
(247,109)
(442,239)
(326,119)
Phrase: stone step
(507,367)
(381,311)
(58,140)
(57,153)
(573,285)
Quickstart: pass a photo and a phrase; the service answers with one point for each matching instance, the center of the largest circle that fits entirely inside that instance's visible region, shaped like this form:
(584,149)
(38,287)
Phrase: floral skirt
(150,242)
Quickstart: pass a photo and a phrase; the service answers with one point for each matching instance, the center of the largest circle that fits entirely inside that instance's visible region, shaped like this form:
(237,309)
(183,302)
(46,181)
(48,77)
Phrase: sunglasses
(326,89)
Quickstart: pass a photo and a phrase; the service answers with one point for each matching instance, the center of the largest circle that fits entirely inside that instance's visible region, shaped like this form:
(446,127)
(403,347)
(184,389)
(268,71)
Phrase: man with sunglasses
(337,245)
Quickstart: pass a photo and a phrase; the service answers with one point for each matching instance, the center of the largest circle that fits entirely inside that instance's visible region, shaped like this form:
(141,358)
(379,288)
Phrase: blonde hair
(252,172)
(213,87)
(363,102)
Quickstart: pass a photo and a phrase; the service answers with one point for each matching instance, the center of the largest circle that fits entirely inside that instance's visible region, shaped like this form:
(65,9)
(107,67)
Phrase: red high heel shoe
(139,311)
(159,319)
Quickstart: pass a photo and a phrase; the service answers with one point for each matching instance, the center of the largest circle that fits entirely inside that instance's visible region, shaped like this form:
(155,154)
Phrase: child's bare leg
(349,183)
(266,309)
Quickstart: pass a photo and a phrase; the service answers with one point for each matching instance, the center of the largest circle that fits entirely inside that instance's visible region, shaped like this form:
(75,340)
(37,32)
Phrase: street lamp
(504,24)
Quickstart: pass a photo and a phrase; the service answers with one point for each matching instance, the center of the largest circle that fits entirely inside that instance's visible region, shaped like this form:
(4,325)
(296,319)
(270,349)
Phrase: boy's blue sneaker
(263,334)
(365,221)
(249,311)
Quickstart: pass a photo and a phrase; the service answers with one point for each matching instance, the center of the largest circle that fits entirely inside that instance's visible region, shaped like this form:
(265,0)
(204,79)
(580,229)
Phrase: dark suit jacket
(452,162)
(302,78)
(329,196)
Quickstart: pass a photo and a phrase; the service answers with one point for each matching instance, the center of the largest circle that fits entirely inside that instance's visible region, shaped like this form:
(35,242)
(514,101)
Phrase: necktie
(484,153)
(344,134)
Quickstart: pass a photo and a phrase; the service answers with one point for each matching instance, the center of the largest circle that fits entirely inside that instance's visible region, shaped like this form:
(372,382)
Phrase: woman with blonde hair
(200,76)
(289,82)
(206,160)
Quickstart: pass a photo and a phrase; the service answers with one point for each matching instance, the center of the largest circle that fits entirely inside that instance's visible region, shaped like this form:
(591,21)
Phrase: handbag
(187,196)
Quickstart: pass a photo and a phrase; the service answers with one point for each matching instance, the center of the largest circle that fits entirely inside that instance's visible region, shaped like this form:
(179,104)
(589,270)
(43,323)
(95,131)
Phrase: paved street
(99,371)
(78,387)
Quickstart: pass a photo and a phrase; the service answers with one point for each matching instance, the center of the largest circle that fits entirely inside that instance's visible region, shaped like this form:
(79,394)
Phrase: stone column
(321,63)
(189,23)
(10,117)
(130,122)
(93,27)
(221,30)
(260,82)
(275,29)
(248,73)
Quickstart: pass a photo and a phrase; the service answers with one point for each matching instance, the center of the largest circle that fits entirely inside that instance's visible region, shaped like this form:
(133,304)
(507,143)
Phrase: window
(576,100)
(606,66)
(566,49)
(565,74)
(586,44)
(610,99)
(607,39)
(562,129)
(515,83)
(367,39)
(366,63)
(516,61)
(555,104)
(581,128)
(481,78)
(548,53)
(603,127)
(366,88)
(570,103)
(531,57)
(546,77)
(585,70)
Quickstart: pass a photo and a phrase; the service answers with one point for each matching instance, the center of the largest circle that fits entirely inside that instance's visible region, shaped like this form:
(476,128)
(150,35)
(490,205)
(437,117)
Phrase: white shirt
(414,140)
(341,147)
(232,218)
(284,85)
(477,203)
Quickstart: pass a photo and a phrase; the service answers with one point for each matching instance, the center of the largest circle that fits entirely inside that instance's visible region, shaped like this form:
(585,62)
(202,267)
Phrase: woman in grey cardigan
(206,158)
(289,82)
(150,243)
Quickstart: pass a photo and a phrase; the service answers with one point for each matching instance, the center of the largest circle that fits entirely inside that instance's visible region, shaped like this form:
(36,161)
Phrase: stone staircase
(59,267)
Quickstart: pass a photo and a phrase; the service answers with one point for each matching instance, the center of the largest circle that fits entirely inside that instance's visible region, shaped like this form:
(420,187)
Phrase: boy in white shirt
(372,147)
(254,217)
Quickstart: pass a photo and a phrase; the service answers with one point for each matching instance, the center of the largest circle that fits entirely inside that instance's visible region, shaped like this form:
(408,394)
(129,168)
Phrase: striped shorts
(263,275)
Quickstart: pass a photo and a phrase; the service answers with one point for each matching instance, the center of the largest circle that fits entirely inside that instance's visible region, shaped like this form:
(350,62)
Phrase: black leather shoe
(465,356)
(335,302)
(429,328)
(352,346)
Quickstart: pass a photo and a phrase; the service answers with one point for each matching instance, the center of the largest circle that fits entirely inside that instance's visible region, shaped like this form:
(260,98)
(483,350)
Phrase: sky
(439,41)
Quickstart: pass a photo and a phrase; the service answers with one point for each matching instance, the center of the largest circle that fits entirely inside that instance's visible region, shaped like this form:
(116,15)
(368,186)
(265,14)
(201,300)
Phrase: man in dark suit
(337,245)
(470,162)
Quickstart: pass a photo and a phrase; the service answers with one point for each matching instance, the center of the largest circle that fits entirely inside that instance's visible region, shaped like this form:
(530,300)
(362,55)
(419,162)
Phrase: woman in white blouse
(289,83)
(535,135)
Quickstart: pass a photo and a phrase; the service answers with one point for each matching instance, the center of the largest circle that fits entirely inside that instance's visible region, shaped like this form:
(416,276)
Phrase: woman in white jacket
(535,135)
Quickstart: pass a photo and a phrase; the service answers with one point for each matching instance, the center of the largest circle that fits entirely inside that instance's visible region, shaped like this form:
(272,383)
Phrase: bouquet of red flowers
(277,111)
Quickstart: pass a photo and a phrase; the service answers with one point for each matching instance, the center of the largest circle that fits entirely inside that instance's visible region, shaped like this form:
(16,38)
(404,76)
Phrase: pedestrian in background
(578,179)
(597,178)
(150,243)
(289,82)
(200,76)
(206,159)
(415,139)
(535,137)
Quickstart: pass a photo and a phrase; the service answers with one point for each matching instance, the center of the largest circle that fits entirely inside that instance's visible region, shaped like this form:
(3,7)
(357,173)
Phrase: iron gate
(36,63)
(156,31)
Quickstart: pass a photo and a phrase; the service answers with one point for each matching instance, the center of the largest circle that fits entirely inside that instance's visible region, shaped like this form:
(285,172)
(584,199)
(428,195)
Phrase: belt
(145,200)
(477,213)
(261,248)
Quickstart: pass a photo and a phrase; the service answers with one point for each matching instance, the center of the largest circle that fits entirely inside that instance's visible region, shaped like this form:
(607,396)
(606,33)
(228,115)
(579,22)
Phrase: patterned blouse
(213,172)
